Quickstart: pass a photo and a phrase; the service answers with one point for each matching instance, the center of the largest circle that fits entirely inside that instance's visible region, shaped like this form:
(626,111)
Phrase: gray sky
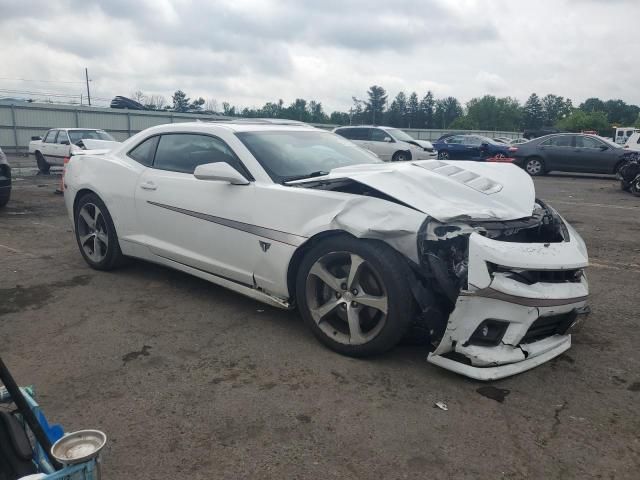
(248,52)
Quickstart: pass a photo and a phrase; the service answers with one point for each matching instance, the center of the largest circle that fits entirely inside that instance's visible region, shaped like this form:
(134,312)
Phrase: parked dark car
(5,180)
(571,152)
(471,147)
(540,132)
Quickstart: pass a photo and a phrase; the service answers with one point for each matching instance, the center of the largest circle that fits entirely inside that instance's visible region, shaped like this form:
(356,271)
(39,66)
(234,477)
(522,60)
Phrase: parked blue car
(472,147)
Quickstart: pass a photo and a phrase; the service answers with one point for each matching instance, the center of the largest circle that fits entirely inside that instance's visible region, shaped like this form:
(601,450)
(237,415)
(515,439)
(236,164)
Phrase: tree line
(411,111)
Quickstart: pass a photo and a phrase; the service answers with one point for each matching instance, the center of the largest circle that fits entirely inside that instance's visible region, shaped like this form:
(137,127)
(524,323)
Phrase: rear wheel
(401,157)
(534,166)
(634,187)
(354,295)
(43,166)
(96,234)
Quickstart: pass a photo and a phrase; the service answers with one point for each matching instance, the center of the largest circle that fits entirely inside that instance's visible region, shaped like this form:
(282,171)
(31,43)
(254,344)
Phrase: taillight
(513,149)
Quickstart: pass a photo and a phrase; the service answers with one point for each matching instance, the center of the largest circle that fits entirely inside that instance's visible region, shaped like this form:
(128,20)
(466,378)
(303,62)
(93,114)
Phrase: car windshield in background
(400,135)
(291,155)
(77,135)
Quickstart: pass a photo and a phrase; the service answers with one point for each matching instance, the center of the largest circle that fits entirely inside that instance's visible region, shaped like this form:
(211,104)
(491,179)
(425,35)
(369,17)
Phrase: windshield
(77,135)
(490,141)
(400,135)
(288,155)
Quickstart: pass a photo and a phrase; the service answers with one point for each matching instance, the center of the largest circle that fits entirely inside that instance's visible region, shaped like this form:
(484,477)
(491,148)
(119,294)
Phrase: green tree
(554,108)
(619,113)
(180,101)
(427,106)
(228,109)
(397,113)
(580,120)
(464,123)
(298,110)
(197,104)
(375,105)
(414,114)
(493,113)
(446,111)
(592,105)
(532,113)
(339,118)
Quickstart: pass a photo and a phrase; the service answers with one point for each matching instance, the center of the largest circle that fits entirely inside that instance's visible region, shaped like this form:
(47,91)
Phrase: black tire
(113,257)
(535,166)
(443,155)
(401,156)
(43,166)
(624,186)
(382,263)
(4,199)
(634,188)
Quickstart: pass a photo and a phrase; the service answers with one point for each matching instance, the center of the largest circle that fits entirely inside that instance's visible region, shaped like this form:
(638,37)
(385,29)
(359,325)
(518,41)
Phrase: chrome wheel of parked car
(354,295)
(92,232)
(96,234)
(499,155)
(443,155)
(347,298)
(534,166)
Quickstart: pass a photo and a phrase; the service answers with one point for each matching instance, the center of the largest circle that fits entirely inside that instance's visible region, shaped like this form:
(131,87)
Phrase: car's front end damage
(498,275)
(512,290)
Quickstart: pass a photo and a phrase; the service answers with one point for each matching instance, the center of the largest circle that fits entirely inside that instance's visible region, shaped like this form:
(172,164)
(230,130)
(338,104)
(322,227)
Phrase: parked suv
(5,180)
(390,144)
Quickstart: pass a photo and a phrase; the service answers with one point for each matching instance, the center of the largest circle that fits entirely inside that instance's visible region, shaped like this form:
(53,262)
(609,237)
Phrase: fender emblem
(264,245)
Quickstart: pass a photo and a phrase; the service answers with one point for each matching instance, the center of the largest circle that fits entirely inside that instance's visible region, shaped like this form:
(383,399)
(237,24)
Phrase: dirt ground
(189,380)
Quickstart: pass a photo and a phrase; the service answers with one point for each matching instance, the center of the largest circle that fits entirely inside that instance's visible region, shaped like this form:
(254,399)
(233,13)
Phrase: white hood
(449,191)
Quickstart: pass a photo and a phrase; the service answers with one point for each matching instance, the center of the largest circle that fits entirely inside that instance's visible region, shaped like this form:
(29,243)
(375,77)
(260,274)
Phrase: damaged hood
(448,191)
(424,143)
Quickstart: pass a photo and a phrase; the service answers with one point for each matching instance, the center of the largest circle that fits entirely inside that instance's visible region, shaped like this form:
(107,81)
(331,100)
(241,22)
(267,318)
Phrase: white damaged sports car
(459,253)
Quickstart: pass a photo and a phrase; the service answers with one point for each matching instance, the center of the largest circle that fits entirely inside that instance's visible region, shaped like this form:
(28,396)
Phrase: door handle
(148,186)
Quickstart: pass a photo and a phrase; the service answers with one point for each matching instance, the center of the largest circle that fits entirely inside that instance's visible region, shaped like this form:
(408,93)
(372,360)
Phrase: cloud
(252,51)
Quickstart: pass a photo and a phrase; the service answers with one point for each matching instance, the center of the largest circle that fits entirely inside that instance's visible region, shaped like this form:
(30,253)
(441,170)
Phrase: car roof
(233,126)
(366,126)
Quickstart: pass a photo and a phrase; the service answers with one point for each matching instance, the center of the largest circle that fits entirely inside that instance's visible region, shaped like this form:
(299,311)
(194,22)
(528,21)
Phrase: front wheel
(96,234)
(443,155)
(634,187)
(401,157)
(534,166)
(43,166)
(354,295)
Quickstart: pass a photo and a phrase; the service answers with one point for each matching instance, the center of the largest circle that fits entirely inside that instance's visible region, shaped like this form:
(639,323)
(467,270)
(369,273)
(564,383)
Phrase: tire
(534,166)
(334,313)
(4,199)
(634,187)
(401,156)
(43,166)
(96,233)
(443,155)
(624,186)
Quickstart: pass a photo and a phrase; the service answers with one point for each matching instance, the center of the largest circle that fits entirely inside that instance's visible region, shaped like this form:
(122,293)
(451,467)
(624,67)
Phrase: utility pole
(86,76)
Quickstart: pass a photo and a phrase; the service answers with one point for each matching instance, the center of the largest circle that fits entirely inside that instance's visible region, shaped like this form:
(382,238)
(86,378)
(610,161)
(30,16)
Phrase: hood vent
(460,175)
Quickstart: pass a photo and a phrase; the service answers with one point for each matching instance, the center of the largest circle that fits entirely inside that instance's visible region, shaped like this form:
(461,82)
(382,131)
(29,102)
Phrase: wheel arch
(299,254)
(408,152)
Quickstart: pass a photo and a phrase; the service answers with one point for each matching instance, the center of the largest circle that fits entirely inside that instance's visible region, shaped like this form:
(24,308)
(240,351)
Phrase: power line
(34,80)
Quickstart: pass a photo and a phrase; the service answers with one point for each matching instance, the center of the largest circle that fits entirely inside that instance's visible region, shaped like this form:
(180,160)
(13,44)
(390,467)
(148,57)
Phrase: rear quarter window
(144,152)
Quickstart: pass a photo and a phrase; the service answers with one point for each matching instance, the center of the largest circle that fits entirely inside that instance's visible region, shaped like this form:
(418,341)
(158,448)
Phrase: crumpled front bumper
(537,316)
(423,154)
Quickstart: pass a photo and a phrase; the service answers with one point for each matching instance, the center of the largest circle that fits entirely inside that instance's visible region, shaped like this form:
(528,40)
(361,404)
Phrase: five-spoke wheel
(354,295)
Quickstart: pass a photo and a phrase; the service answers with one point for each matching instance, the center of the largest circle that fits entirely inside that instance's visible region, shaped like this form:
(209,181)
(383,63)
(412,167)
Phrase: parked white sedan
(59,143)
(367,251)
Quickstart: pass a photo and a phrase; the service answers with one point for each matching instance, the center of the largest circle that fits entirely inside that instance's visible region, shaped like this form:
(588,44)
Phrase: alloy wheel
(443,155)
(534,166)
(347,298)
(92,232)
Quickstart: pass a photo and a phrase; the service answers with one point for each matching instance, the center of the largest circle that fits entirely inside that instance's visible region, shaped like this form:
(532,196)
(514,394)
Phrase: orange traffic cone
(60,189)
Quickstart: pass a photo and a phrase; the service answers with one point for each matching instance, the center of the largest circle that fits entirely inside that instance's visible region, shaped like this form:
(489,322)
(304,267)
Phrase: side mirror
(220,171)
(388,139)
(36,138)
(604,147)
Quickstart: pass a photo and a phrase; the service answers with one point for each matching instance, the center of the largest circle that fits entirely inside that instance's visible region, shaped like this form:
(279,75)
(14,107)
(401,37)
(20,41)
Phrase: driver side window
(183,152)
(50,137)
(377,135)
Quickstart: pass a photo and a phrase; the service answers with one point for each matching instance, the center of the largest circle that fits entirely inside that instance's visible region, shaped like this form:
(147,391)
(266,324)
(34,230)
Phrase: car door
(472,147)
(382,144)
(61,147)
(558,153)
(48,147)
(203,224)
(454,147)
(595,156)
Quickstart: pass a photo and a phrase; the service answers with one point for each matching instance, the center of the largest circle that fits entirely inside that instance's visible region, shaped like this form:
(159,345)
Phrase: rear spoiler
(97,151)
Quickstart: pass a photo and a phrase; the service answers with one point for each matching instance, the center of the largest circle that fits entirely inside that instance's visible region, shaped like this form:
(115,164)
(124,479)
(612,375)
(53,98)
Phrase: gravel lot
(189,380)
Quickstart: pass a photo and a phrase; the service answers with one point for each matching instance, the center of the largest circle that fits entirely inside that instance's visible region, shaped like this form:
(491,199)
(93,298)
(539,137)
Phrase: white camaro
(369,252)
